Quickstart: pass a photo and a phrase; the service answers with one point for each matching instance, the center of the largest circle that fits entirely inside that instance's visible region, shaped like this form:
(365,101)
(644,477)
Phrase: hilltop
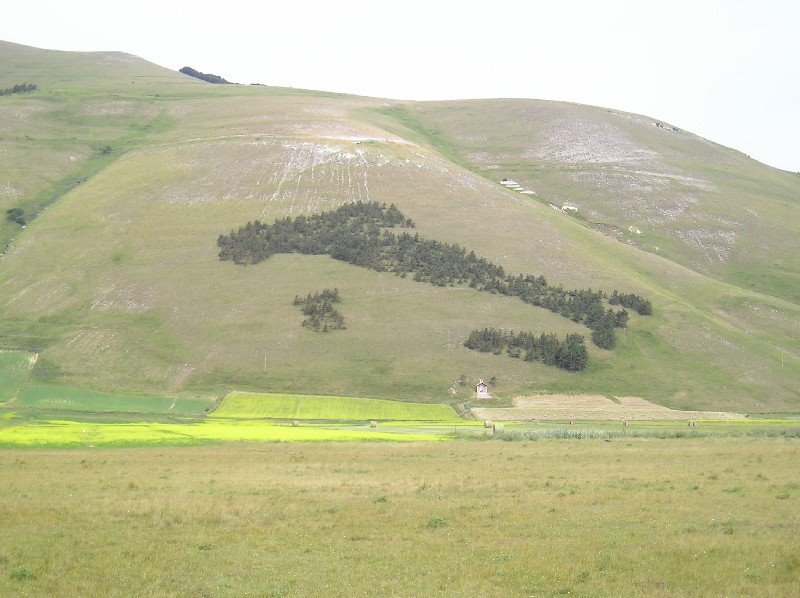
(127,173)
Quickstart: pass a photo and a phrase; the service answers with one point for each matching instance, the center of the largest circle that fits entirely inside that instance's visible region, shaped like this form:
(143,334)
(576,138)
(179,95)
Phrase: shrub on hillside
(16,215)
(571,354)
(635,302)
(20,88)
(320,314)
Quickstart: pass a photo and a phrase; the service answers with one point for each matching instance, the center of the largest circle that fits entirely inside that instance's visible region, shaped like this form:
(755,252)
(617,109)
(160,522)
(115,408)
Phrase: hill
(117,283)
(634,178)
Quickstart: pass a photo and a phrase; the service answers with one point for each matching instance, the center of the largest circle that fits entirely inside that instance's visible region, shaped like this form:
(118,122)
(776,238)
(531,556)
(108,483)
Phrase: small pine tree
(605,337)
(572,355)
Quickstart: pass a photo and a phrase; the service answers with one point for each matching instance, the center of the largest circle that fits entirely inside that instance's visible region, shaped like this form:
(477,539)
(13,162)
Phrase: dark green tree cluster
(208,77)
(635,302)
(351,233)
(19,88)
(358,233)
(569,354)
(16,215)
(320,314)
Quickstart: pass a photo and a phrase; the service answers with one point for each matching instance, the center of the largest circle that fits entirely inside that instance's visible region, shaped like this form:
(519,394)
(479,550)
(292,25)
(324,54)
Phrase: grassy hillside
(634,178)
(89,108)
(118,284)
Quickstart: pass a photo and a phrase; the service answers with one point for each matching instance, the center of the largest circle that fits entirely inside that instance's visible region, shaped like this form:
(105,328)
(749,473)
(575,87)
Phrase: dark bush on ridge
(208,77)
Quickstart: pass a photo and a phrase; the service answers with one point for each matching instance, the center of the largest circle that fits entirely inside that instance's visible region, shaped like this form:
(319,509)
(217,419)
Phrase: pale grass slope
(696,202)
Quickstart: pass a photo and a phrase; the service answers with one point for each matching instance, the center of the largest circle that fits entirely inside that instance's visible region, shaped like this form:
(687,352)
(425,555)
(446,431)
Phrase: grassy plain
(548,517)
(246,405)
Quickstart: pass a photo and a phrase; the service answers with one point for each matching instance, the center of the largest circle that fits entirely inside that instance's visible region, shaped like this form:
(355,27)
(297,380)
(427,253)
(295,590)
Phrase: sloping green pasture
(248,405)
(14,368)
(60,398)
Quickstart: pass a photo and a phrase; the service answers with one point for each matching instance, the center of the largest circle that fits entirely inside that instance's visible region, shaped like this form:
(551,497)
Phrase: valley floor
(704,516)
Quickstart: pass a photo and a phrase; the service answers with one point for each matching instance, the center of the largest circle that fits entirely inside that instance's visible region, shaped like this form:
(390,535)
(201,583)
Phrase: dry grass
(591,407)
(656,517)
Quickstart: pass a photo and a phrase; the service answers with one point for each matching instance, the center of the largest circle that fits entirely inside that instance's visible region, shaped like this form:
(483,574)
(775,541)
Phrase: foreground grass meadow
(710,516)
(260,494)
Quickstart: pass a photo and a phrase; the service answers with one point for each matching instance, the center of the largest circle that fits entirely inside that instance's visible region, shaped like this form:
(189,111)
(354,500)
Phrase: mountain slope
(118,284)
(90,108)
(634,178)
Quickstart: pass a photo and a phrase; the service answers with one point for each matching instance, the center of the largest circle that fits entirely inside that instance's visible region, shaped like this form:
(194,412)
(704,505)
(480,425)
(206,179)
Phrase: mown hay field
(248,405)
(593,407)
(549,517)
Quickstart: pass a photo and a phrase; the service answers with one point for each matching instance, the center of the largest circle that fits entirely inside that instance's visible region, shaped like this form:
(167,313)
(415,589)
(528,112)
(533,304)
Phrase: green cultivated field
(69,434)
(14,369)
(246,405)
(551,517)
(58,398)
(58,417)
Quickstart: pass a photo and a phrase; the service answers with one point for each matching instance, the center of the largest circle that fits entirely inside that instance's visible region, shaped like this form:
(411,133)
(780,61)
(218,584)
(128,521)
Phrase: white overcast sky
(726,70)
